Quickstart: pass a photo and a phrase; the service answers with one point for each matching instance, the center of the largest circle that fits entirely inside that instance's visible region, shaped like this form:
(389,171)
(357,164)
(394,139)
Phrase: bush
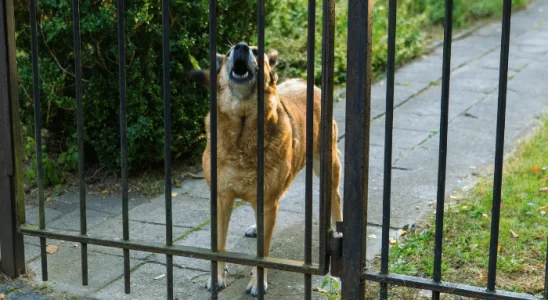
(189,47)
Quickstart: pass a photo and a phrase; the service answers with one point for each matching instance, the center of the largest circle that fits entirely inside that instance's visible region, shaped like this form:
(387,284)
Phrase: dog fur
(284,144)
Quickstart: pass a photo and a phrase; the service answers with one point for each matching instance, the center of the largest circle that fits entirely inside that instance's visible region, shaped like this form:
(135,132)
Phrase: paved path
(472,118)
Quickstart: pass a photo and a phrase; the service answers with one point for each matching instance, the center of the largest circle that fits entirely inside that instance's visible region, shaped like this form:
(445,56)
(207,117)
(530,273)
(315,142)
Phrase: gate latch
(335,250)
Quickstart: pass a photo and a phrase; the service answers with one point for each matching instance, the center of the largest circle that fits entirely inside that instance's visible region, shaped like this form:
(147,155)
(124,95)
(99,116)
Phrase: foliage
(189,45)
(522,235)
(288,27)
(334,289)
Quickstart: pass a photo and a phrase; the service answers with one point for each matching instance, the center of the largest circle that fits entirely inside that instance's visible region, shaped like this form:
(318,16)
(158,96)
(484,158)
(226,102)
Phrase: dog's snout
(241,46)
(241,51)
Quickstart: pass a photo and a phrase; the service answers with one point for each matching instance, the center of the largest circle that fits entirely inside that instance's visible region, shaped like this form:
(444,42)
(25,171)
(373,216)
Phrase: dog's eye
(255,51)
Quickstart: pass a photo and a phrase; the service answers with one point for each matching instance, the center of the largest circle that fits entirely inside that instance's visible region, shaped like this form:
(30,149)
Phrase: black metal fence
(345,256)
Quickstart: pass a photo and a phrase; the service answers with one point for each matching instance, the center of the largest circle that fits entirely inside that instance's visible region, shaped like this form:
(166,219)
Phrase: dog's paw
(253,287)
(221,280)
(251,231)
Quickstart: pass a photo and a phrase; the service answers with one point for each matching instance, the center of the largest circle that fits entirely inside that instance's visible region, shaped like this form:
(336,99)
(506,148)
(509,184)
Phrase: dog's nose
(241,46)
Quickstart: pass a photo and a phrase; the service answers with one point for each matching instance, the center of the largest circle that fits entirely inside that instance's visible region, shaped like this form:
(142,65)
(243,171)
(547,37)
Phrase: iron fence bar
(260,150)
(176,250)
(38,137)
(326,129)
(499,152)
(388,130)
(12,205)
(358,104)
(80,130)
(309,145)
(213,139)
(442,158)
(123,137)
(167,143)
(445,287)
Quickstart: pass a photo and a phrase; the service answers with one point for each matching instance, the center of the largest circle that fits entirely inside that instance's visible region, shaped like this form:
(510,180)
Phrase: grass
(523,228)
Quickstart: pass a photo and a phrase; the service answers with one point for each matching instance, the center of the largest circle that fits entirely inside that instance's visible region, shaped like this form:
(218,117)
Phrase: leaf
(372,236)
(52,249)
(173,195)
(75,245)
(317,289)
(543,208)
(105,192)
(48,199)
(402,232)
(159,276)
(485,215)
(392,241)
(543,189)
(535,169)
(514,234)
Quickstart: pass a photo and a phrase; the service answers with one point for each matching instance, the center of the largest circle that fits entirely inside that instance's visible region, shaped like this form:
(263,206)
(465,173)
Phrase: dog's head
(237,73)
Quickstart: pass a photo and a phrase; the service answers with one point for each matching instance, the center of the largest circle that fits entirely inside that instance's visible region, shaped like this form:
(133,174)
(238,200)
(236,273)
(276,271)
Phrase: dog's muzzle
(241,72)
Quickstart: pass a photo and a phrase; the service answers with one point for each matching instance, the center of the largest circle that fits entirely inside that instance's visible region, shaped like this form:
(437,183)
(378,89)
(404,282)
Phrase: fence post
(12,208)
(358,100)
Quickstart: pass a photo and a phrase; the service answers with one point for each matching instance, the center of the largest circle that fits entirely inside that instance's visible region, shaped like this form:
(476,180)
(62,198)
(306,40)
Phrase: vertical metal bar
(358,105)
(442,159)
(260,149)
(167,143)
(12,205)
(309,145)
(499,152)
(213,139)
(326,129)
(38,138)
(123,136)
(389,121)
(80,129)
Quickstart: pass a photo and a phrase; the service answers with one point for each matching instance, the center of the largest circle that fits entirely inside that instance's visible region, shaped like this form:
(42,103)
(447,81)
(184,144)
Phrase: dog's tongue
(240,67)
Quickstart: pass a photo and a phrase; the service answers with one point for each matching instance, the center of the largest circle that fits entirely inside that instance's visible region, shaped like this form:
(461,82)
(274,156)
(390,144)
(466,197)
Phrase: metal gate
(345,255)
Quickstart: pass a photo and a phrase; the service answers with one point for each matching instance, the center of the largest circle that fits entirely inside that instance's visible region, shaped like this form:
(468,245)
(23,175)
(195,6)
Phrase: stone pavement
(472,117)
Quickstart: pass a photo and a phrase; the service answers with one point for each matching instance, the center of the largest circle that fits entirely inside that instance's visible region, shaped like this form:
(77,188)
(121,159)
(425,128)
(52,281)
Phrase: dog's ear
(202,76)
(273,58)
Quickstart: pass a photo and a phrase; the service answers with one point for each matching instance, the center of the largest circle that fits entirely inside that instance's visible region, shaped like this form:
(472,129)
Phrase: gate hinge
(335,250)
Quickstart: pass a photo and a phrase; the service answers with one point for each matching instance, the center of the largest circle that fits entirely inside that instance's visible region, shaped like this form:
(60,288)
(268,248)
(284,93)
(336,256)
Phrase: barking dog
(284,144)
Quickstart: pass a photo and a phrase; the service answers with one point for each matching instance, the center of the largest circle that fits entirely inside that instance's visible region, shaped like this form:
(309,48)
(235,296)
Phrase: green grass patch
(523,228)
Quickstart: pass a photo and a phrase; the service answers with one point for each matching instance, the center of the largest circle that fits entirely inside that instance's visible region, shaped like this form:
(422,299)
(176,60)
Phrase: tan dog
(284,145)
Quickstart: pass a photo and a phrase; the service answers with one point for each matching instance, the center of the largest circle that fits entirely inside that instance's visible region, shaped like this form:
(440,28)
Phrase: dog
(284,144)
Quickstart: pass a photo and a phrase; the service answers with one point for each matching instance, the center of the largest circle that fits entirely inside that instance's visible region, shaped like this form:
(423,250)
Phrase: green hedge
(189,45)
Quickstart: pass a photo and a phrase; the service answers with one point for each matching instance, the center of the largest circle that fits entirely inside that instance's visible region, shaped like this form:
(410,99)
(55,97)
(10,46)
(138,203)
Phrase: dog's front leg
(270,214)
(224,211)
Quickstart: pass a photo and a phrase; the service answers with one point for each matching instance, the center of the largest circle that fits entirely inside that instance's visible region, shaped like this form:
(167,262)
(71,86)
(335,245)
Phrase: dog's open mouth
(240,72)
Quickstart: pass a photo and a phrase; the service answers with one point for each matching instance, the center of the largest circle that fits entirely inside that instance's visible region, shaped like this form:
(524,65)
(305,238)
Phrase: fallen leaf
(317,289)
(464,207)
(105,192)
(535,169)
(159,276)
(392,241)
(481,277)
(485,216)
(543,208)
(52,249)
(543,189)
(402,232)
(498,247)
(75,245)
(473,246)
(173,195)
(514,234)
(372,236)
(48,199)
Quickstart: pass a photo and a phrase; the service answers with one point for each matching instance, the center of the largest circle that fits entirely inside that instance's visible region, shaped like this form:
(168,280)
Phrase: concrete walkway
(473,107)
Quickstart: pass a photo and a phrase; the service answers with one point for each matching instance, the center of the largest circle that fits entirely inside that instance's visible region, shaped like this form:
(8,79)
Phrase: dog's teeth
(240,76)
